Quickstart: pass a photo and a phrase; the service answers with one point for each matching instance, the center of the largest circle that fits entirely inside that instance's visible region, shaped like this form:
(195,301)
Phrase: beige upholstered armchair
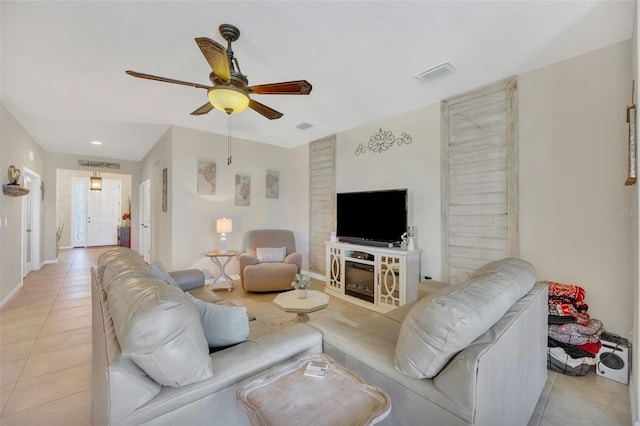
(271,261)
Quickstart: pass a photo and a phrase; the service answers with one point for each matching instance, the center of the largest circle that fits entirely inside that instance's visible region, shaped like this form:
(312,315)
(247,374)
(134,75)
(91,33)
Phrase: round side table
(221,259)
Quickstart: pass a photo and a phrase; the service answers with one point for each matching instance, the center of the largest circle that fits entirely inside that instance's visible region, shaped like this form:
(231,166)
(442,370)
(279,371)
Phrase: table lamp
(223,227)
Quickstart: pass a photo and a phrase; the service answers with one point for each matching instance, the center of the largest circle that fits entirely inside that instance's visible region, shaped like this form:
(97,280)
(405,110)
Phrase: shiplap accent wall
(479,179)
(322,195)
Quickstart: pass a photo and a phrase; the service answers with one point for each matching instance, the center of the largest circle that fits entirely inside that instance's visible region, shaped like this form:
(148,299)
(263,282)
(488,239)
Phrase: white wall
(157,159)
(191,231)
(634,387)
(16,144)
(576,214)
(415,166)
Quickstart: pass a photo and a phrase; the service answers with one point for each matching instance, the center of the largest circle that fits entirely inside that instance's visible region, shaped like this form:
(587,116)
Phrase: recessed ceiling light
(96,142)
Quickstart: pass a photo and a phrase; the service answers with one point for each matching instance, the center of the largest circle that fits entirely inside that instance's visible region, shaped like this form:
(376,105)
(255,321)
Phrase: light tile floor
(45,353)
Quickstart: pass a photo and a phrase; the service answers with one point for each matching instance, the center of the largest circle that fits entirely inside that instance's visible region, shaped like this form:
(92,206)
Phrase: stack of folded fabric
(574,338)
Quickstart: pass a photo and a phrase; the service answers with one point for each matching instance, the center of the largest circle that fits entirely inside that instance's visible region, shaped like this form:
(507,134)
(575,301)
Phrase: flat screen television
(372,217)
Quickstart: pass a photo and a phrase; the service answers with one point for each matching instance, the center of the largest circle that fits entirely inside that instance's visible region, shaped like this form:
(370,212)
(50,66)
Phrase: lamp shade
(95,182)
(224,226)
(229,99)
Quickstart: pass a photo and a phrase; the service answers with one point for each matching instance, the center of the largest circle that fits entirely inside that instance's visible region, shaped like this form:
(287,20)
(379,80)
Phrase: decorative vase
(302,293)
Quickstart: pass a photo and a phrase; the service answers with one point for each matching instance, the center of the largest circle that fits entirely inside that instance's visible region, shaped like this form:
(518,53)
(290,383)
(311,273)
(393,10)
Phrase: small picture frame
(164,189)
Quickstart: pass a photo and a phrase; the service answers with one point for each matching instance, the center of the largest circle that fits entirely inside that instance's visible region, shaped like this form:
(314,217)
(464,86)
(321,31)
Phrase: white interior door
(145,220)
(103,214)
(27,220)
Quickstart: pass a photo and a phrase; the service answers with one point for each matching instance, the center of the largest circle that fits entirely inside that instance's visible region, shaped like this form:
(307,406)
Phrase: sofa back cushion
(159,329)
(439,327)
(117,254)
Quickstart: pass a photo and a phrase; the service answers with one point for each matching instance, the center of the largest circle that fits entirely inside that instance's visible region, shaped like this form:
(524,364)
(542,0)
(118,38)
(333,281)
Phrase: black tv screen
(372,216)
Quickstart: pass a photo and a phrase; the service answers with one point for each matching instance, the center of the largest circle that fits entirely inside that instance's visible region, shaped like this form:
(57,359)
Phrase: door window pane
(79,213)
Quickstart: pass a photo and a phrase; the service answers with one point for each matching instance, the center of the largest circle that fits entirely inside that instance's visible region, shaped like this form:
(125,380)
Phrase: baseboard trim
(11,294)
(315,275)
(632,401)
(50,261)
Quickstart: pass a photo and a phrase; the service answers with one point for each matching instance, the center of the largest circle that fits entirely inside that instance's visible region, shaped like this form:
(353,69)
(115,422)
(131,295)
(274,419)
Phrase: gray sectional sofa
(469,354)
(151,360)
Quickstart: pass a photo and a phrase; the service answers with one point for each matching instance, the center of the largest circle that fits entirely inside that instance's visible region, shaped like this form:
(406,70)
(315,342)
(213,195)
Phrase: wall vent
(437,71)
(304,126)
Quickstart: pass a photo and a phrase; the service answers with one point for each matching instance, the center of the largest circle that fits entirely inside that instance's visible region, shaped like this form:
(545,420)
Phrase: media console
(376,278)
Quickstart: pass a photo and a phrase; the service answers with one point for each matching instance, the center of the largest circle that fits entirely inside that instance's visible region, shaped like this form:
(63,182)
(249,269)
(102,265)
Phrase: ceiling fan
(230,90)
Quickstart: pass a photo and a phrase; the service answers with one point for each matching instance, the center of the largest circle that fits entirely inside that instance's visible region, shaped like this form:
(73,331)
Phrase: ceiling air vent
(437,71)
(304,126)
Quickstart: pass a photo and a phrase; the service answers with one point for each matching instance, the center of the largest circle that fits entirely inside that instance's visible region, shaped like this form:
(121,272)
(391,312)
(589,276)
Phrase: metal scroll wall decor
(99,164)
(382,140)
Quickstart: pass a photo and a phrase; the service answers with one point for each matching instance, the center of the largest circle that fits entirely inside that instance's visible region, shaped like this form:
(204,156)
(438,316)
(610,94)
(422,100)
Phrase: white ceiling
(63,62)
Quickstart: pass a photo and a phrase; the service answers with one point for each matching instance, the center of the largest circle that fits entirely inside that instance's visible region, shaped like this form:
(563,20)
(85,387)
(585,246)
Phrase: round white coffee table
(289,302)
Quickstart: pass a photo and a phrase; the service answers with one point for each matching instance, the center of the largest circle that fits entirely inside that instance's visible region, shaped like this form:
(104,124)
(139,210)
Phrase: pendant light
(95,183)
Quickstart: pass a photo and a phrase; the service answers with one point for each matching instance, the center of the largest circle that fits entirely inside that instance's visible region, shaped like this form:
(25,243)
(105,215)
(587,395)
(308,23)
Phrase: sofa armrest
(294,258)
(246,259)
(188,278)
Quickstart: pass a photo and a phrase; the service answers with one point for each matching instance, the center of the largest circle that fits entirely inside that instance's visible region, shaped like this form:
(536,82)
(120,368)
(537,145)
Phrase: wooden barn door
(479,179)
(322,190)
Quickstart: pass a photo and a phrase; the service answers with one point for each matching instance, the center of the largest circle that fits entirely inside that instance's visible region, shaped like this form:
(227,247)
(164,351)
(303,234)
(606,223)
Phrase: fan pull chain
(229,140)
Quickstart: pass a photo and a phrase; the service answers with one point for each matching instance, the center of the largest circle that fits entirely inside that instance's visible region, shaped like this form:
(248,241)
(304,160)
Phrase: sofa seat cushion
(269,276)
(159,329)
(369,352)
(233,365)
(439,327)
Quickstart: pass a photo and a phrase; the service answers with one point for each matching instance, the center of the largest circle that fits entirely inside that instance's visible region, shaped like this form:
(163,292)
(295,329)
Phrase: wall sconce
(223,227)
(95,182)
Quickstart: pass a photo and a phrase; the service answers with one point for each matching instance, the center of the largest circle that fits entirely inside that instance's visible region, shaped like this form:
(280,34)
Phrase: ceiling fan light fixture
(228,99)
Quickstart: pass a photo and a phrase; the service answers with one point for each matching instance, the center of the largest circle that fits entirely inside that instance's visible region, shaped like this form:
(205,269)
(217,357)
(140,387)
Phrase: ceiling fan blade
(204,109)
(268,112)
(166,80)
(299,87)
(217,57)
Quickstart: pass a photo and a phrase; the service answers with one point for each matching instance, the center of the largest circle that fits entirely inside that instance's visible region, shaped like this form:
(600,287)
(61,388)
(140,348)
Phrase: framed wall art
(273,184)
(243,190)
(206,177)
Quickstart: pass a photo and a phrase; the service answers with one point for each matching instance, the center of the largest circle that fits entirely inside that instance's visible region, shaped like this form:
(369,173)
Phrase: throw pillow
(158,268)
(223,325)
(271,254)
